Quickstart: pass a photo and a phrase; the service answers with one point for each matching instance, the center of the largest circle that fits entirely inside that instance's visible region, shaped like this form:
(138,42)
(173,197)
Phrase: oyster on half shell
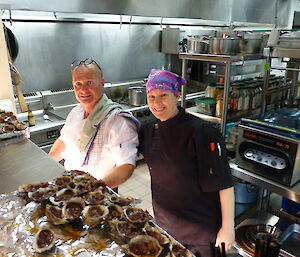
(115,212)
(157,234)
(85,179)
(63,181)
(178,250)
(82,188)
(144,246)
(121,200)
(128,230)
(54,215)
(94,214)
(137,215)
(73,208)
(62,195)
(44,240)
(94,198)
(42,194)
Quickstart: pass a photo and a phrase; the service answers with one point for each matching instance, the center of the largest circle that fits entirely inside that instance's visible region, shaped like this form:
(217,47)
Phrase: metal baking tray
(16,133)
(290,241)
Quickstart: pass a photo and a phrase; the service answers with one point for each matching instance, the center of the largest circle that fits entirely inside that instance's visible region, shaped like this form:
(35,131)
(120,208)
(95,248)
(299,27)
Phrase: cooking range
(270,146)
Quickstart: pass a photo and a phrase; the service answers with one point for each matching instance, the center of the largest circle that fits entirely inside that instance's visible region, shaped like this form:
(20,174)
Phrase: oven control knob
(259,158)
(249,153)
(273,163)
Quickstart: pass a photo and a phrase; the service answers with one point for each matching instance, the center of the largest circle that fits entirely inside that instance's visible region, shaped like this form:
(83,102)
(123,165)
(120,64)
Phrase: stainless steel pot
(224,45)
(197,45)
(137,95)
(290,40)
(251,45)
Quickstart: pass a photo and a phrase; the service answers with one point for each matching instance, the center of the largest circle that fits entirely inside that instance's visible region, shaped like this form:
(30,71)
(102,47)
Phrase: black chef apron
(181,207)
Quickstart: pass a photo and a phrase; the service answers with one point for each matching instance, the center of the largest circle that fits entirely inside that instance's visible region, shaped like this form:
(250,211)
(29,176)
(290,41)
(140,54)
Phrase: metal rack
(279,52)
(229,61)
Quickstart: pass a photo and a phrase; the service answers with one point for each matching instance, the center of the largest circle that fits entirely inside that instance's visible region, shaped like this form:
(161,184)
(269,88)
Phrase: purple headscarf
(164,80)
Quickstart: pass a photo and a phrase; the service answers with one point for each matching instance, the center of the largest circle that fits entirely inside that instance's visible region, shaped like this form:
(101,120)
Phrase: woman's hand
(227,236)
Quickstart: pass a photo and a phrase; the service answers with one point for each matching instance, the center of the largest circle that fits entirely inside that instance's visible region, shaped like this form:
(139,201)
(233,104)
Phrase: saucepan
(251,43)
(197,45)
(137,95)
(224,45)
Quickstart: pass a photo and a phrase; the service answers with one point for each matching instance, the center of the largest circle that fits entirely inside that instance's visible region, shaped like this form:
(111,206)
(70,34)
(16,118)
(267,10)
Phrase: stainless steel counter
(22,162)
(292,193)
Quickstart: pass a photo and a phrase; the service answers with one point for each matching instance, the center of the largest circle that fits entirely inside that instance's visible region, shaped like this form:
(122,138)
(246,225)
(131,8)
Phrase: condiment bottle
(219,106)
(31,118)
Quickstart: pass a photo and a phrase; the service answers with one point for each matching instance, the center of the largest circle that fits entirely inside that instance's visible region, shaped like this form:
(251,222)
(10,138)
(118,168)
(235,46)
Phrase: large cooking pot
(137,95)
(251,45)
(290,40)
(197,45)
(224,45)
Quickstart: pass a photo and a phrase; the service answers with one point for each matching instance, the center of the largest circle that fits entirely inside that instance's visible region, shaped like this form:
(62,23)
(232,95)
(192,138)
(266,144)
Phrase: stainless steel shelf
(292,193)
(285,52)
(220,58)
(194,111)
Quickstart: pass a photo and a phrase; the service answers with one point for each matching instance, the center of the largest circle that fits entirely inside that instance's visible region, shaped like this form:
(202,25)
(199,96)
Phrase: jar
(211,90)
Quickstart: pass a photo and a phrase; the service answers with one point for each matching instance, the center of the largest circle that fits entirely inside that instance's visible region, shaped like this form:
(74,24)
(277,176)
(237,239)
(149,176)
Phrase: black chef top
(188,166)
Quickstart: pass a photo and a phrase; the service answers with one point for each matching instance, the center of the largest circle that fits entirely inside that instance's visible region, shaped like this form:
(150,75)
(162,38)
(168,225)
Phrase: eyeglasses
(88,61)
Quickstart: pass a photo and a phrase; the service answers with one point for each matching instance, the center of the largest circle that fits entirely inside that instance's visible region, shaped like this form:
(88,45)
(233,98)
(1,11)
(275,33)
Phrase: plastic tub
(206,105)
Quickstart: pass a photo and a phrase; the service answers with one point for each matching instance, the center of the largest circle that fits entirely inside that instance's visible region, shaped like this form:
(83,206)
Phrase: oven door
(46,148)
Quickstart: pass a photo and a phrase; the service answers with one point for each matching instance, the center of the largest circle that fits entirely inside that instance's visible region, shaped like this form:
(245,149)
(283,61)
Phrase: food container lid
(206,100)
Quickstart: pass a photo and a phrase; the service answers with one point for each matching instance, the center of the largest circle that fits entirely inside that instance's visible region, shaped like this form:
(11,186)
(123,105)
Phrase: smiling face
(88,86)
(163,104)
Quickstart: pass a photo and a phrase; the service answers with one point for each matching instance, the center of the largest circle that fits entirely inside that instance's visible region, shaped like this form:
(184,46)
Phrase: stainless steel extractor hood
(244,11)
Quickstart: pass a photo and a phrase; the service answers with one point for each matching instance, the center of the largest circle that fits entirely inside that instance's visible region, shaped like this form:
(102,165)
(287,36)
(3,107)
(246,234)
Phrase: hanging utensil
(12,52)
(16,80)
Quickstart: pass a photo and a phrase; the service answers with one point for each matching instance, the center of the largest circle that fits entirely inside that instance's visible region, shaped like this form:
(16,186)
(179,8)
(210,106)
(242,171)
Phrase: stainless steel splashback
(46,51)
(219,10)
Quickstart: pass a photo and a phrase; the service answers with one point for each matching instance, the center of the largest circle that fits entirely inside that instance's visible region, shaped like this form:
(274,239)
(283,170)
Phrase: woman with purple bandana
(192,187)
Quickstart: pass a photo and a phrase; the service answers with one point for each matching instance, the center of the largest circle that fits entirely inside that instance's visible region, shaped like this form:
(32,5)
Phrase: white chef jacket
(115,144)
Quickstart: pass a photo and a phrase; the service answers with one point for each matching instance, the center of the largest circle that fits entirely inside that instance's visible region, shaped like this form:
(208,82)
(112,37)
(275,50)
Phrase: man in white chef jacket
(98,136)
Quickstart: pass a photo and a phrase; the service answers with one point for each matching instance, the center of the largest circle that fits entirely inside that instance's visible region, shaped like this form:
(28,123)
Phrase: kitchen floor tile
(138,186)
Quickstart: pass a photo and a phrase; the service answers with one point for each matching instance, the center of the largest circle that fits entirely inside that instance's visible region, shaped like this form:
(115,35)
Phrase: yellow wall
(6,87)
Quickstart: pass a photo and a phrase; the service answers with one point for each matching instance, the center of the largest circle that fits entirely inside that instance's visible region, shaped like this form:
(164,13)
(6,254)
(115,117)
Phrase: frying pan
(12,43)
(13,50)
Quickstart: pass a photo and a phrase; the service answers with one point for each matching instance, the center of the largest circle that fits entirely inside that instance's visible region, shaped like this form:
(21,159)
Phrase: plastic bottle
(219,106)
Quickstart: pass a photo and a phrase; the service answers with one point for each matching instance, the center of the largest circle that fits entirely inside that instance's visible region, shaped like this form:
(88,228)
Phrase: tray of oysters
(78,215)
(10,126)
